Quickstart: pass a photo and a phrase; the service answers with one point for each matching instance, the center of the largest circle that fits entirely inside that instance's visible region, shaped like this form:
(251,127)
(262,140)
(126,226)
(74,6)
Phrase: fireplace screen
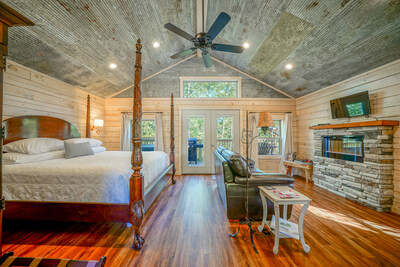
(343,147)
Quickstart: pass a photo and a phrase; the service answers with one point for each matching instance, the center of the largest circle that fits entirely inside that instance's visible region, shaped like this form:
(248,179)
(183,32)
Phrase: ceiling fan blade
(184,53)
(218,25)
(206,58)
(227,48)
(178,31)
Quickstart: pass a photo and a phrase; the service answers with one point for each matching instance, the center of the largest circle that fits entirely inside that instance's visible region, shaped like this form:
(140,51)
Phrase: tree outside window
(148,134)
(210,89)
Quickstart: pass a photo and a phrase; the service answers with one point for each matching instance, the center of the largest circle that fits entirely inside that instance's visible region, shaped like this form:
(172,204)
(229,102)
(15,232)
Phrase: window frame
(145,117)
(275,117)
(237,79)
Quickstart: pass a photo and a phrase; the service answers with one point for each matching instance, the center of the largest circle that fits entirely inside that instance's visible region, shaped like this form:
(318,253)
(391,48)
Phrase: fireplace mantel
(356,124)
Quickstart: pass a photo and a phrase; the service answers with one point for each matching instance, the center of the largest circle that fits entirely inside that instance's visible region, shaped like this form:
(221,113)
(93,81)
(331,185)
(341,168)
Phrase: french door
(202,132)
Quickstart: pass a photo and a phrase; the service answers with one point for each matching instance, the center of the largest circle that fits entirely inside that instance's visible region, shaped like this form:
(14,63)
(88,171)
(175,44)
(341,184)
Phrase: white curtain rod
(144,112)
(252,112)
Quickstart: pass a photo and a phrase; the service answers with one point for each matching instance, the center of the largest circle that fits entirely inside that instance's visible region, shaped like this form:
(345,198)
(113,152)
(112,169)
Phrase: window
(270,142)
(148,135)
(210,87)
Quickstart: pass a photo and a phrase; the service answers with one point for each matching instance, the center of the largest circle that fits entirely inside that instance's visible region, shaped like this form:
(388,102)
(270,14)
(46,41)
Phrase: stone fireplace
(356,162)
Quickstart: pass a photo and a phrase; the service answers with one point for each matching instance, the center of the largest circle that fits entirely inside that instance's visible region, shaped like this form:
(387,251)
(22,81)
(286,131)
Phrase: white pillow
(33,146)
(19,158)
(92,141)
(98,149)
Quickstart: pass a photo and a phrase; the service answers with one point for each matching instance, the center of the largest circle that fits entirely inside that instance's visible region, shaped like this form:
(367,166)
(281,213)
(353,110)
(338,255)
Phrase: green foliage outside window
(224,127)
(273,132)
(217,89)
(196,127)
(148,129)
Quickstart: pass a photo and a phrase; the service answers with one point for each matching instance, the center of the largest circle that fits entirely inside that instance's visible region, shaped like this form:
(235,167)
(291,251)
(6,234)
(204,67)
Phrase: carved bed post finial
(172,145)
(88,117)
(136,210)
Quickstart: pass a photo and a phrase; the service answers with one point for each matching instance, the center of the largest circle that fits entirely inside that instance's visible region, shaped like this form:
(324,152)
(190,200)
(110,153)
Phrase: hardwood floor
(187,226)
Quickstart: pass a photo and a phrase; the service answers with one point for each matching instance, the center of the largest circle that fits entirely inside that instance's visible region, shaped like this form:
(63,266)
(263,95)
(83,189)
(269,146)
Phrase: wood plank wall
(114,107)
(383,85)
(28,92)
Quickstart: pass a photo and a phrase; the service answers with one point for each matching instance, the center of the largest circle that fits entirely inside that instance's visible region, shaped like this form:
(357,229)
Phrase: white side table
(302,200)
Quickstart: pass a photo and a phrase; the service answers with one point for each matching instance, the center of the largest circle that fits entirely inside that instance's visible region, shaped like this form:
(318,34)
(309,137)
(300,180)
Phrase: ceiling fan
(204,40)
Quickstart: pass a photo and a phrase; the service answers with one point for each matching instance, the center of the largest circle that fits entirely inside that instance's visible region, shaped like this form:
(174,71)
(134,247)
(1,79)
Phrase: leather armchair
(232,187)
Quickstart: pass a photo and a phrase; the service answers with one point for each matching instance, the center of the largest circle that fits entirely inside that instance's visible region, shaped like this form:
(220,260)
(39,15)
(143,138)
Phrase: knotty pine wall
(114,107)
(28,92)
(383,85)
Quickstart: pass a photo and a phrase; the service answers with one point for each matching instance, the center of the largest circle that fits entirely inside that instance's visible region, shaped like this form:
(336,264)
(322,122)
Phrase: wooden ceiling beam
(10,17)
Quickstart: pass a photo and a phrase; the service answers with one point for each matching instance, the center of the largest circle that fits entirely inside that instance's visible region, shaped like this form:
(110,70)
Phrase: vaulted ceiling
(327,41)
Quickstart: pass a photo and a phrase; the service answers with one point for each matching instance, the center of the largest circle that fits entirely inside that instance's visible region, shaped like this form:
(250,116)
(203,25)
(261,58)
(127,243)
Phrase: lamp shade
(265,120)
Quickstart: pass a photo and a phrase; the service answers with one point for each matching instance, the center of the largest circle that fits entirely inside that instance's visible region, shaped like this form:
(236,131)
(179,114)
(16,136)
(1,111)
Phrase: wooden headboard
(38,126)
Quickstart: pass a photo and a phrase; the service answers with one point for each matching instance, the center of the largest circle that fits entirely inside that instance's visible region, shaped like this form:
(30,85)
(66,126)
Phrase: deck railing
(227,143)
(269,146)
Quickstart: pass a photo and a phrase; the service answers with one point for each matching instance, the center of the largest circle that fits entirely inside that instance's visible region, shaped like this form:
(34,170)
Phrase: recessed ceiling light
(246,45)
(156,44)
(113,66)
(288,66)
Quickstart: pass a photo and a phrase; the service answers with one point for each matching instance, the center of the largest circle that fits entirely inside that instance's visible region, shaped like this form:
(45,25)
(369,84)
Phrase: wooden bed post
(136,204)
(172,145)
(88,117)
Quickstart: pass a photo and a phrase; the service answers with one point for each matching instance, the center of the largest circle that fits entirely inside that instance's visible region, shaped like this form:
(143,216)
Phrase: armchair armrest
(265,179)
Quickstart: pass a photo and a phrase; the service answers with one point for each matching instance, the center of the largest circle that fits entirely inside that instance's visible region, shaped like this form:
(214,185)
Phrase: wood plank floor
(187,226)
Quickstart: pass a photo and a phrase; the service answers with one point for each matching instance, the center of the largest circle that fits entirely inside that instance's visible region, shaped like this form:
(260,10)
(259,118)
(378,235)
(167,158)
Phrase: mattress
(101,178)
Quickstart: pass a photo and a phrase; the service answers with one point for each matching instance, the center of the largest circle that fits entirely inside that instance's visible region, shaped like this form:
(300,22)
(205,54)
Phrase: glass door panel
(195,141)
(225,132)
(196,134)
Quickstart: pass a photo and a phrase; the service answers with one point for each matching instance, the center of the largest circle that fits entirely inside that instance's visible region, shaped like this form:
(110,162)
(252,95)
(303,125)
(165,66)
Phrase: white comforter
(103,177)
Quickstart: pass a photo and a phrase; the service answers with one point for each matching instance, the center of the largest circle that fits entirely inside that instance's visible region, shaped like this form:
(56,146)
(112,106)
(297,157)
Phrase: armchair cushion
(239,165)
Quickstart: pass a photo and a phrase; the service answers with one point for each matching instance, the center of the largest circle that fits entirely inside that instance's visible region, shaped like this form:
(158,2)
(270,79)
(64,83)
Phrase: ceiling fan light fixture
(113,66)
(246,45)
(289,66)
(156,44)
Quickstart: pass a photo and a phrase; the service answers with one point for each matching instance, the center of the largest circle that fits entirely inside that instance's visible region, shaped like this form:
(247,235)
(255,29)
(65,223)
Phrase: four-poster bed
(140,197)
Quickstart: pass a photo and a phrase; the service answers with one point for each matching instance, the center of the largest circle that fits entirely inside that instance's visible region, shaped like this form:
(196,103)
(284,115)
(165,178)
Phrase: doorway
(203,131)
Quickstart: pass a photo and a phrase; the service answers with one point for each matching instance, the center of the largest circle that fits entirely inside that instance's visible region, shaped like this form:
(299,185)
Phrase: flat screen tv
(351,106)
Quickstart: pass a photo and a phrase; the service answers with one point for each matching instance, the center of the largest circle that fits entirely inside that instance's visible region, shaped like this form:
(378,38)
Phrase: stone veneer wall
(369,183)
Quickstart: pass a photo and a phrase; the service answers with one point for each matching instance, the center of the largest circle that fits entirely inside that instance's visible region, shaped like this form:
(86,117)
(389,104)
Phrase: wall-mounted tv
(351,106)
